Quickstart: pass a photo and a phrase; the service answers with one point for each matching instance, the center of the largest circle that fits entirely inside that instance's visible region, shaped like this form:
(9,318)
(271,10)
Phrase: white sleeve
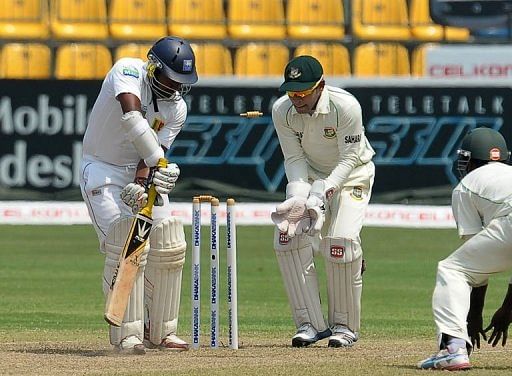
(295,164)
(466,214)
(126,78)
(351,141)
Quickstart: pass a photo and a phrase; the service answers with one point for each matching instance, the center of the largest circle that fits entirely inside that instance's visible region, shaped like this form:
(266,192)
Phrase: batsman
(328,163)
(138,113)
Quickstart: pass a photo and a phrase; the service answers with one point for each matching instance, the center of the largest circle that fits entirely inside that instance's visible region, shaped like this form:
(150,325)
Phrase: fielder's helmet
(174,58)
(481,145)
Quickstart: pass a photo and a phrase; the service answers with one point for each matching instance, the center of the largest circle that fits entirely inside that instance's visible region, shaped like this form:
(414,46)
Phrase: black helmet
(174,58)
(481,144)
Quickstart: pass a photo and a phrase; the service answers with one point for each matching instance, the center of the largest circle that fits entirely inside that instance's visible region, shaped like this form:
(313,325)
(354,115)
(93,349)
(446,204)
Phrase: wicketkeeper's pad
(343,262)
(295,259)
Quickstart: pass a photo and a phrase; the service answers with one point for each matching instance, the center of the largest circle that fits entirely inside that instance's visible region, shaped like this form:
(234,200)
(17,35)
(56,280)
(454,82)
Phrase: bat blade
(124,277)
(129,261)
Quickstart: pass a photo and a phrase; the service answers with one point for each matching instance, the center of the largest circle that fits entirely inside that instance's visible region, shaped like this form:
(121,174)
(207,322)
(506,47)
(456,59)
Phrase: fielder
(136,117)
(327,160)
(482,207)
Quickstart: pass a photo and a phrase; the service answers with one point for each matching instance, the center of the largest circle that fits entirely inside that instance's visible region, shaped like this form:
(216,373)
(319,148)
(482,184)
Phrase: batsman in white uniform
(327,160)
(482,207)
(137,115)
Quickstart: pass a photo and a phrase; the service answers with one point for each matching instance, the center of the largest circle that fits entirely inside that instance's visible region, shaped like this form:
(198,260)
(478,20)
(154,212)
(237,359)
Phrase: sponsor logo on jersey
(494,154)
(157,124)
(329,132)
(283,238)
(352,139)
(187,65)
(131,71)
(96,192)
(357,193)
(337,251)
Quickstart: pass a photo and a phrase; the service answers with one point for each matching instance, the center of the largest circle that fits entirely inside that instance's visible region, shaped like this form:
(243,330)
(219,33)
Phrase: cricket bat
(126,271)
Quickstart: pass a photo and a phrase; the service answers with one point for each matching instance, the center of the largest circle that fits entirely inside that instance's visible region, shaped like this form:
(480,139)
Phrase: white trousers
(487,253)
(345,213)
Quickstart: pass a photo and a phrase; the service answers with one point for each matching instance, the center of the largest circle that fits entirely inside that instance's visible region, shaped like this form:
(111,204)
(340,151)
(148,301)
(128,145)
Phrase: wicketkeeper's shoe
(131,345)
(169,343)
(307,335)
(447,361)
(342,336)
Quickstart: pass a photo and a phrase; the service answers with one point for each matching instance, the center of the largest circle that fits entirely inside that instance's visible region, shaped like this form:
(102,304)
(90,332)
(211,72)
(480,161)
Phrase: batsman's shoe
(307,334)
(447,361)
(169,343)
(342,336)
(131,345)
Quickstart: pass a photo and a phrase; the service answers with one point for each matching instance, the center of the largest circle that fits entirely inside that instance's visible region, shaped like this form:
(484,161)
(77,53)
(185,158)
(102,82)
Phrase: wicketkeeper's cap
(301,73)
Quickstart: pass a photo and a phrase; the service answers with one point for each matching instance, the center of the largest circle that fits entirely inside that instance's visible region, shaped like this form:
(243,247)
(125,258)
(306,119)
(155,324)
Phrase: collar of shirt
(322,106)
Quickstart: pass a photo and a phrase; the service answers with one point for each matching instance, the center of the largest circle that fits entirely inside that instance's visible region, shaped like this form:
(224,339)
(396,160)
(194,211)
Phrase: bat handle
(148,209)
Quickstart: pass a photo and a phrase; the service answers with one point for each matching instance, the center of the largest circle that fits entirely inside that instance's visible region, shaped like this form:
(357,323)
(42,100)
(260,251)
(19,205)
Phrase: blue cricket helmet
(174,57)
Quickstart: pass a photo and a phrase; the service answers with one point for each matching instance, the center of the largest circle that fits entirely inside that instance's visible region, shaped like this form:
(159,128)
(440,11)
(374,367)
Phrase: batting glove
(134,195)
(165,178)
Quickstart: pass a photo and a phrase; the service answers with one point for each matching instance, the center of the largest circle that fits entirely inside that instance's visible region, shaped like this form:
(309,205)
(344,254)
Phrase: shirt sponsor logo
(187,65)
(494,154)
(352,139)
(337,251)
(131,71)
(357,193)
(329,132)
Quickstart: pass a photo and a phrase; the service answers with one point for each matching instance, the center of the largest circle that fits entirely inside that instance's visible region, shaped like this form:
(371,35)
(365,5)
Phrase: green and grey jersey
(329,144)
(481,196)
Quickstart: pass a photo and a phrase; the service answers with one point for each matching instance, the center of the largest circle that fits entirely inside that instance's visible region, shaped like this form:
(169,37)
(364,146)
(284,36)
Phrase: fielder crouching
(482,207)
(136,117)
(330,174)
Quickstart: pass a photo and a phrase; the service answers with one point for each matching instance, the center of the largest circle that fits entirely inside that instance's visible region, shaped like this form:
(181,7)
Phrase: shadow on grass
(59,351)
(473,368)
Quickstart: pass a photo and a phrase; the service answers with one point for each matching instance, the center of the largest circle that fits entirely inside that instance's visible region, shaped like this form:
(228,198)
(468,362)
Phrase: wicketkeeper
(330,178)
(136,117)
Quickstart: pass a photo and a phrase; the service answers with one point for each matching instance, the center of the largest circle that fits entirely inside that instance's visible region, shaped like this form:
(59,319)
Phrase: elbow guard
(143,138)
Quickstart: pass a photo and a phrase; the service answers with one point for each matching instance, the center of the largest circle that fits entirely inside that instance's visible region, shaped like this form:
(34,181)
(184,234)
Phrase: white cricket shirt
(330,143)
(104,138)
(482,195)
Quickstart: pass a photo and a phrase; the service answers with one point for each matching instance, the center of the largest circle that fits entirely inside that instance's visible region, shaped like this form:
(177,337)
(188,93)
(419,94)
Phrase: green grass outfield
(51,303)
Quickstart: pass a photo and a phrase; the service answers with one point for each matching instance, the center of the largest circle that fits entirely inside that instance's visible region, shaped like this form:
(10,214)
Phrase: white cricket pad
(343,263)
(143,138)
(295,259)
(163,278)
(133,321)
